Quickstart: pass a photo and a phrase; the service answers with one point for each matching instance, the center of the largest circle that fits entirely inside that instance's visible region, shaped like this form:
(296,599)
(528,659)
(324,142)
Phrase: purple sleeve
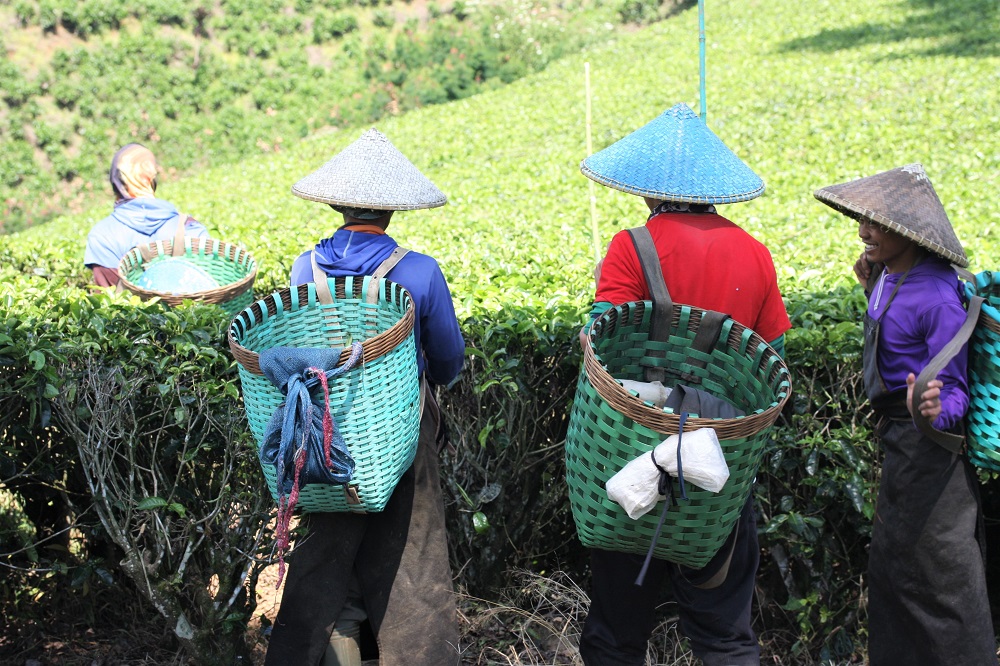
(942,323)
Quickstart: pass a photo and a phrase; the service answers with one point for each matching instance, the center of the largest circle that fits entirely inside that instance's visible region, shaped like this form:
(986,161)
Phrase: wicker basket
(609,426)
(230,265)
(983,418)
(376,405)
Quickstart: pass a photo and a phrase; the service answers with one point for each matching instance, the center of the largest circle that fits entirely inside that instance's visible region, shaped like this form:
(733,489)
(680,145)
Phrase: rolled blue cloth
(298,421)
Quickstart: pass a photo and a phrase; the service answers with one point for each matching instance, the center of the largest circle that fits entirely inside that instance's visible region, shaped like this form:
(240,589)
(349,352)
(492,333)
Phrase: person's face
(887,247)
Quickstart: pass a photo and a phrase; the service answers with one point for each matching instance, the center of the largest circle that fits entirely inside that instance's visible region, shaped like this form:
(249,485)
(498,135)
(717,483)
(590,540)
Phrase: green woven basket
(230,265)
(983,418)
(609,426)
(376,405)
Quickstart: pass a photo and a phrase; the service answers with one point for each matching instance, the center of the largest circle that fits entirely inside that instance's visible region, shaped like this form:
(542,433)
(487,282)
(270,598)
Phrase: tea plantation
(807,94)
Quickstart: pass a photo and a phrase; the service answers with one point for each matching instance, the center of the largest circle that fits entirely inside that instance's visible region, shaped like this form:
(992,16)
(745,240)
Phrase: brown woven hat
(370,174)
(901,200)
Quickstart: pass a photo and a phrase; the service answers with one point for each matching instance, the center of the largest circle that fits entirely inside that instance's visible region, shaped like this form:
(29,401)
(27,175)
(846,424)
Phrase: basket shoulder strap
(383,270)
(711,323)
(178,247)
(663,306)
(709,330)
(325,296)
(323,293)
(649,260)
(949,441)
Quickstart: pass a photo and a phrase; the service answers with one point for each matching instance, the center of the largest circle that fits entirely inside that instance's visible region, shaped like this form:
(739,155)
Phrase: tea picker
(926,571)
(691,301)
(151,249)
(376,323)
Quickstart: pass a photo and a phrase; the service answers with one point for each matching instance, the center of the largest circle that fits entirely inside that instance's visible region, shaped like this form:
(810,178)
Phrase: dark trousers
(398,557)
(927,597)
(716,621)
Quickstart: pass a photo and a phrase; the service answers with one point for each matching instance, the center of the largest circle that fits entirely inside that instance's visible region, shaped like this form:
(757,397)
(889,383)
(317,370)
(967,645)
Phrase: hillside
(206,83)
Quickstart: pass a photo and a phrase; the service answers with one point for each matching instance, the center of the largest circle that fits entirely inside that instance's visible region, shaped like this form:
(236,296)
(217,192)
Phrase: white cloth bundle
(634,487)
(653,392)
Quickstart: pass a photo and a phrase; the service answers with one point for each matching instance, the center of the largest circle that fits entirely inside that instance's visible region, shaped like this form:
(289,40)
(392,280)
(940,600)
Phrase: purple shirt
(924,316)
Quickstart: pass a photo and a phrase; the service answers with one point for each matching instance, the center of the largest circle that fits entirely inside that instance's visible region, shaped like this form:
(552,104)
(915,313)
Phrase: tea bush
(124,444)
(507,420)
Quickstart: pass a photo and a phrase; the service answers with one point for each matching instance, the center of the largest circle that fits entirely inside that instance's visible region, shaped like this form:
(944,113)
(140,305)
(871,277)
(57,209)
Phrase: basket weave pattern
(375,405)
(230,265)
(609,426)
(983,418)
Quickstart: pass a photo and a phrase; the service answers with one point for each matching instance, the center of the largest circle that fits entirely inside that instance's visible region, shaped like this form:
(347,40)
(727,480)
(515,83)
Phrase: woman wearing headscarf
(927,597)
(138,216)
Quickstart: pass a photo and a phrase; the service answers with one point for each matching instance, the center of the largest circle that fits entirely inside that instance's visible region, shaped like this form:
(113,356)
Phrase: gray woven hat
(370,173)
(901,200)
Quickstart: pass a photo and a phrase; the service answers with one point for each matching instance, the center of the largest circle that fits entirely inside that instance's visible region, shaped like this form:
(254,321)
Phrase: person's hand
(930,400)
(862,270)
(584,336)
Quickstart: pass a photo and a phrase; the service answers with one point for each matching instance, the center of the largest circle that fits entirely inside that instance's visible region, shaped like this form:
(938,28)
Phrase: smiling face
(887,247)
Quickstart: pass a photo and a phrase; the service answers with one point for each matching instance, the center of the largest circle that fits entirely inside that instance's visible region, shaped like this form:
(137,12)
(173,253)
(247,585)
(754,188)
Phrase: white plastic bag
(653,392)
(634,487)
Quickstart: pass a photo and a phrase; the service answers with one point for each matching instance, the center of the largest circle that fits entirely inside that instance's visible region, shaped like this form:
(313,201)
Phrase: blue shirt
(134,222)
(438,338)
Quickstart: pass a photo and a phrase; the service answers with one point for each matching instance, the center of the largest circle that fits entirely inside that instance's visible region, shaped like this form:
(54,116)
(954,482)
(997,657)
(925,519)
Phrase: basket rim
(260,311)
(983,284)
(134,259)
(668,422)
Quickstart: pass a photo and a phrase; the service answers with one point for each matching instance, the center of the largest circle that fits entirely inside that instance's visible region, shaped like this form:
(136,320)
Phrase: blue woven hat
(674,158)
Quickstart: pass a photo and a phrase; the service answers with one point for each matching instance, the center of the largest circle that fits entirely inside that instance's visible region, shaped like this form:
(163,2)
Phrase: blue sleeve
(301,270)
(440,336)
(195,228)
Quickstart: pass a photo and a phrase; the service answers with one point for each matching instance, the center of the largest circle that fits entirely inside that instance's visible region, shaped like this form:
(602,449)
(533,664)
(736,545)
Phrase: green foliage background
(807,95)
(206,83)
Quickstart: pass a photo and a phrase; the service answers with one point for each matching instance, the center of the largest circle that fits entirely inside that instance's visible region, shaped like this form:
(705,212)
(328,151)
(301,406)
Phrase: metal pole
(701,54)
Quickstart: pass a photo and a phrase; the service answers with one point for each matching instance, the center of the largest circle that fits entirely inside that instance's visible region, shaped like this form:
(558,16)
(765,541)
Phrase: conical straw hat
(675,157)
(901,200)
(370,173)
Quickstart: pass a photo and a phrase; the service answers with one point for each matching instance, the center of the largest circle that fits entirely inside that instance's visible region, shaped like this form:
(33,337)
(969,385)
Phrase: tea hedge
(125,446)
(852,91)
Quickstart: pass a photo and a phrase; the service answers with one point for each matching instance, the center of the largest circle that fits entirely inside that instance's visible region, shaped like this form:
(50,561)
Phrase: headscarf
(133,172)
(680,207)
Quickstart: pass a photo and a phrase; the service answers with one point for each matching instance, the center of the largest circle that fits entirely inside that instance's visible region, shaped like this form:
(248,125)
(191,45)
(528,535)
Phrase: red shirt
(707,262)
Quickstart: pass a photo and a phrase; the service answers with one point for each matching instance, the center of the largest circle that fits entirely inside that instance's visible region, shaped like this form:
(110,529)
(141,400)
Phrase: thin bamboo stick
(701,58)
(590,183)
